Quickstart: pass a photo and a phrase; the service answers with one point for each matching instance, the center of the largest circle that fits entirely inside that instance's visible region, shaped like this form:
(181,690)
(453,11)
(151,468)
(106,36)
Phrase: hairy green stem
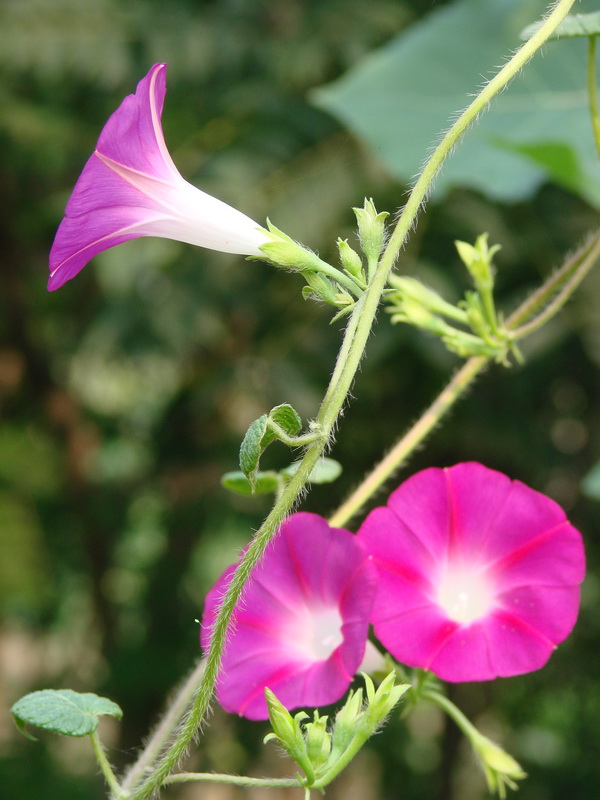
(593,91)
(235,780)
(103,763)
(465,725)
(176,710)
(357,333)
(351,352)
(559,286)
(576,270)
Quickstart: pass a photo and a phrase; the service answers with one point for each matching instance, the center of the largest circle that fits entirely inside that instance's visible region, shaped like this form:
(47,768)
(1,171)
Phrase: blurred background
(125,395)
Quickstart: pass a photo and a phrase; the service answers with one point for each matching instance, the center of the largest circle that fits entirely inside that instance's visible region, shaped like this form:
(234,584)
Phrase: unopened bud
(500,768)
(414,290)
(350,259)
(371,230)
(478,260)
(318,741)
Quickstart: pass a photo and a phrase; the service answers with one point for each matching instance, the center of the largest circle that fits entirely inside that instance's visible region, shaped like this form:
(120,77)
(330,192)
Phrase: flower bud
(478,260)
(500,768)
(285,728)
(414,290)
(318,741)
(350,259)
(371,230)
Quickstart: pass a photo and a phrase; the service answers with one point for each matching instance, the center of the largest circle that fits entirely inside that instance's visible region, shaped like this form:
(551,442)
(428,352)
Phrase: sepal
(371,230)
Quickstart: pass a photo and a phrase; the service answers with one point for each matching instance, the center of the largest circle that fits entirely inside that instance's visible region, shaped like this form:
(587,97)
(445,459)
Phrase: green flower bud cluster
(323,752)
(482,332)
(337,287)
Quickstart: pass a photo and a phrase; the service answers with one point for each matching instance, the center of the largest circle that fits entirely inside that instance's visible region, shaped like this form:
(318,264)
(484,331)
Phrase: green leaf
(260,435)
(63,711)
(401,97)
(264,483)
(287,418)
(251,448)
(559,161)
(572,25)
(326,470)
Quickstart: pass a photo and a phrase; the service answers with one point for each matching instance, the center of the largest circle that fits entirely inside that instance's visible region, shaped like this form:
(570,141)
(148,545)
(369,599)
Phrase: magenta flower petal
(479,575)
(302,627)
(130,187)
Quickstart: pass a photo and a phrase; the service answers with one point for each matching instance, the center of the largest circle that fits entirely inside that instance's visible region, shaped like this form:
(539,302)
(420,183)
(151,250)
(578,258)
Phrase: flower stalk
(500,768)
(110,777)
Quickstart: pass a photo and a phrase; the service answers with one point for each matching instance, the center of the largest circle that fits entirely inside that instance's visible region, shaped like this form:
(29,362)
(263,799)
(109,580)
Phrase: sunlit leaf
(63,711)
(264,483)
(326,470)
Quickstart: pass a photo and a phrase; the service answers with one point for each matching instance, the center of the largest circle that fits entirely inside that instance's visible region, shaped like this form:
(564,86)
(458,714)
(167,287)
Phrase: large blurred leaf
(400,98)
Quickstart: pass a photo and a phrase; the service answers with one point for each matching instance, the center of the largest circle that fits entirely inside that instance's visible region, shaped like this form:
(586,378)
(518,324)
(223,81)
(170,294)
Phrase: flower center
(317,632)
(464,594)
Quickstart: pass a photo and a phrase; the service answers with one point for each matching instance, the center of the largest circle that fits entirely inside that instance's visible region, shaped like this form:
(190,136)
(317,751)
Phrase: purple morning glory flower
(301,628)
(479,575)
(130,187)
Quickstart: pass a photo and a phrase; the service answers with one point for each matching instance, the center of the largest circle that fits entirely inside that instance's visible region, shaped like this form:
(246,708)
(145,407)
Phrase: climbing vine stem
(357,332)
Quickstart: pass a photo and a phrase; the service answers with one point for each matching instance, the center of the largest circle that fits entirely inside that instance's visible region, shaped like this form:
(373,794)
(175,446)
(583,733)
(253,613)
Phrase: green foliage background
(125,395)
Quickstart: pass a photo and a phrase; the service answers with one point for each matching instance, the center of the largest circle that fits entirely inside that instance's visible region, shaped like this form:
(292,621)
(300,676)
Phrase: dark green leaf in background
(398,99)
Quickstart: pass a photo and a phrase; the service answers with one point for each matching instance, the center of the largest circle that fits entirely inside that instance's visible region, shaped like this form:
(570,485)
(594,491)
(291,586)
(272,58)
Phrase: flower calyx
(324,282)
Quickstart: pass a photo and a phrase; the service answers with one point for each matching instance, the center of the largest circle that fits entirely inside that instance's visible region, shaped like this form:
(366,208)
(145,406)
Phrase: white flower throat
(464,594)
(318,632)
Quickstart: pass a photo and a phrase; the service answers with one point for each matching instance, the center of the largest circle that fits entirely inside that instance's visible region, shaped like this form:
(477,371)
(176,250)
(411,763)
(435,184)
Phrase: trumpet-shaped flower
(130,187)
(479,575)
(301,628)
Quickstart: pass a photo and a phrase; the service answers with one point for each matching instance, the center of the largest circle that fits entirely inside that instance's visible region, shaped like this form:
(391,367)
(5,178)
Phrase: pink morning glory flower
(479,575)
(301,628)
(130,187)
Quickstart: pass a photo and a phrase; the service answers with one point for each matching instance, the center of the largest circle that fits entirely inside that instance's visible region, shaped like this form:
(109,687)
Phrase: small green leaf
(63,711)
(251,448)
(287,418)
(264,483)
(326,470)
(572,25)
(260,435)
